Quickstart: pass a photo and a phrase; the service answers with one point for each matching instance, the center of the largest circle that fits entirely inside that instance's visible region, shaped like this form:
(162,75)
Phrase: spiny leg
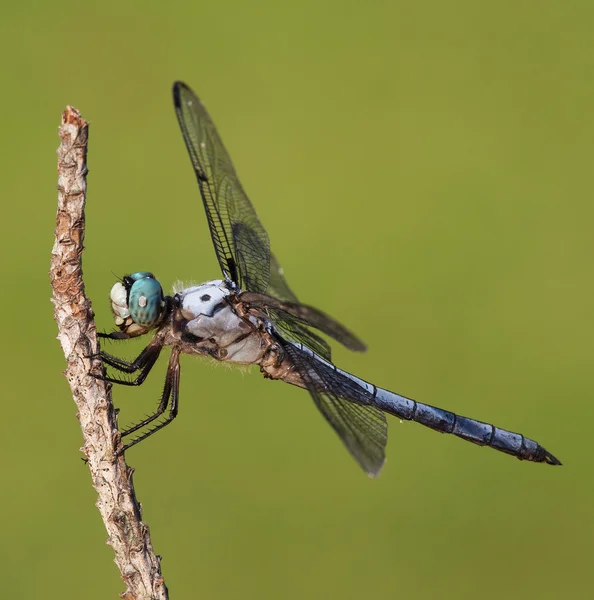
(114,335)
(145,361)
(170,390)
(127,366)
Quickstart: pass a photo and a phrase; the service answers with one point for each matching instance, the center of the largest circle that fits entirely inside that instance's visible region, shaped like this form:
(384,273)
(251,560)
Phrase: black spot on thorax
(190,338)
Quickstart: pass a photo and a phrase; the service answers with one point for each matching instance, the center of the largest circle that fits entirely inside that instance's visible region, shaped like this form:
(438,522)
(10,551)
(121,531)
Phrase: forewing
(347,407)
(241,242)
(277,286)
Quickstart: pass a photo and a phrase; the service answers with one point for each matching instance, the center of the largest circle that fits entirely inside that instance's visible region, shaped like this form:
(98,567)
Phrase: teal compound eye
(145,298)
(137,303)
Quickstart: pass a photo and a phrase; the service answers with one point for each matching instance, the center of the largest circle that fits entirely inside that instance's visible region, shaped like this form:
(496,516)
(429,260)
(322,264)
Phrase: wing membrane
(240,240)
(346,406)
(277,286)
(307,315)
(294,331)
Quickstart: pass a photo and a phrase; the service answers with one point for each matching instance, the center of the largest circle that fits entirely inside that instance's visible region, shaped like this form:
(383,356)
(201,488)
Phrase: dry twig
(112,478)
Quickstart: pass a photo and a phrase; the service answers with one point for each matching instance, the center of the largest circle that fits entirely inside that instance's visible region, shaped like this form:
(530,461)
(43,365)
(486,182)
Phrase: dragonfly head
(137,303)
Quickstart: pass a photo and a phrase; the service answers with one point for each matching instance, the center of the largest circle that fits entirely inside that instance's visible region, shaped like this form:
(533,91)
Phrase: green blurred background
(425,173)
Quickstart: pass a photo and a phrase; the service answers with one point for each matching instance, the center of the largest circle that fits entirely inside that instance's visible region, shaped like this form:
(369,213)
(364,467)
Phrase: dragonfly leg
(114,335)
(170,392)
(144,362)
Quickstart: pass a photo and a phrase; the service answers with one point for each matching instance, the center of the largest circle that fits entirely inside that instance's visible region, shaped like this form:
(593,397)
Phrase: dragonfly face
(253,317)
(137,303)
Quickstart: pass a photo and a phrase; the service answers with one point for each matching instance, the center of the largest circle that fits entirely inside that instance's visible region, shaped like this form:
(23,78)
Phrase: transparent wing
(240,240)
(346,406)
(294,331)
(306,315)
(277,286)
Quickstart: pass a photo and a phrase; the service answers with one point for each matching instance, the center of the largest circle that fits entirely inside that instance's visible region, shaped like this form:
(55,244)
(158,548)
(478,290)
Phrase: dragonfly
(252,317)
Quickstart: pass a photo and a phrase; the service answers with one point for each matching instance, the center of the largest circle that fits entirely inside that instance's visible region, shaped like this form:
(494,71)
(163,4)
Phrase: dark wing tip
(346,338)
(179,88)
(358,345)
